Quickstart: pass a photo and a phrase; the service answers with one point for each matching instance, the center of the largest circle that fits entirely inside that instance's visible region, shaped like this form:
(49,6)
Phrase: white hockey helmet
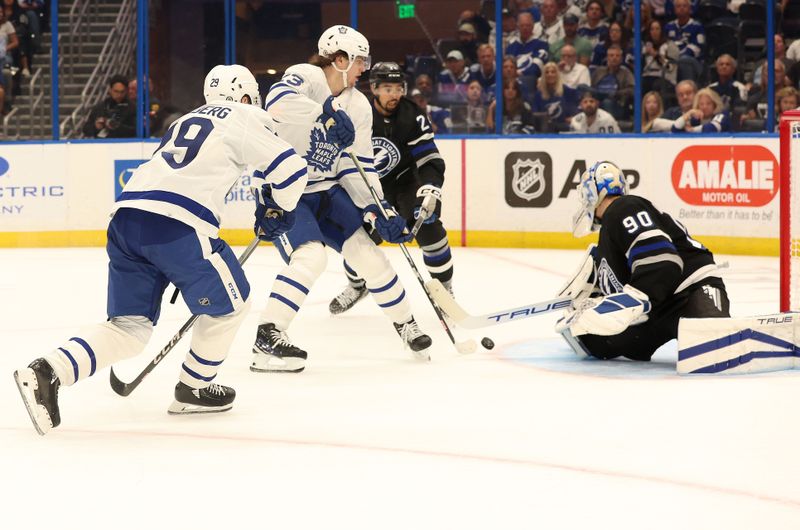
(598,182)
(230,82)
(347,40)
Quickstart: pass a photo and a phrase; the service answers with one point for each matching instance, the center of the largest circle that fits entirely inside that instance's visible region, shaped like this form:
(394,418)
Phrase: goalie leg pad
(739,345)
(99,346)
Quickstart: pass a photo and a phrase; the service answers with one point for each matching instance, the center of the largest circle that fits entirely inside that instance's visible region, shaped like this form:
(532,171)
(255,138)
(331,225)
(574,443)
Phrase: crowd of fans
(568,66)
(21,26)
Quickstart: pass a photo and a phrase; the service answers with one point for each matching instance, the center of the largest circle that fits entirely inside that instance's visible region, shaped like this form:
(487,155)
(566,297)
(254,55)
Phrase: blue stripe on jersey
(349,269)
(204,361)
(395,301)
(196,375)
(434,261)
(297,285)
(92,358)
(281,84)
(278,159)
(186,203)
(285,300)
(72,362)
(385,287)
(635,251)
(423,147)
(276,98)
(365,159)
(290,180)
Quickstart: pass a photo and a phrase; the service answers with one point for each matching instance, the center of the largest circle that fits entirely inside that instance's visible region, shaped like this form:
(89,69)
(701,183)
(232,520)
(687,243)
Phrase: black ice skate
(213,398)
(38,386)
(414,338)
(348,298)
(273,352)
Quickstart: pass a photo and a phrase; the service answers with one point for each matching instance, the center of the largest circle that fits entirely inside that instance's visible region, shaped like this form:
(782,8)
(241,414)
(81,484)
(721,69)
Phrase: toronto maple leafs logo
(321,153)
(606,279)
(387,155)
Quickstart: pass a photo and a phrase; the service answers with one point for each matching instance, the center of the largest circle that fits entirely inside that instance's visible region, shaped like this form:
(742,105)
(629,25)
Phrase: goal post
(790,211)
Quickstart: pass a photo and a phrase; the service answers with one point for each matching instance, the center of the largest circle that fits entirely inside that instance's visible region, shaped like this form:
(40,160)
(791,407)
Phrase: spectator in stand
(787,98)
(612,9)
(510,72)
(8,42)
(452,83)
(581,44)
(659,71)
(782,55)
(550,28)
(647,16)
(652,109)
(483,26)
(476,108)
(554,98)
(33,10)
(424,84)
(685,91)
(155,105)
(732,92)
(615,83)
(437,116)
(757,101)
(792,53)
(594,27)
(690,37)
(573,73)
(708,115)
(517,115)
(616,35)
(509,27)
(591,119)
(468,42)
(23,54)
(658,9)
(484,70)
(531,53)
(114,117)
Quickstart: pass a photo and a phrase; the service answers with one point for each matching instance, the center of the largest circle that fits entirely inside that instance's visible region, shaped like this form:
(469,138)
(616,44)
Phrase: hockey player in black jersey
(645,273)
(411,170)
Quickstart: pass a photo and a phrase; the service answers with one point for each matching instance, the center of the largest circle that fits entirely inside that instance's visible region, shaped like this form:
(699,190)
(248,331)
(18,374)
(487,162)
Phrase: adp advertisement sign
(725,175)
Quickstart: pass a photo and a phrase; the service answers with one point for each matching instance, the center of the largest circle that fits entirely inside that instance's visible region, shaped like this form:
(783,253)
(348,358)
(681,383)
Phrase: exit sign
(405,9)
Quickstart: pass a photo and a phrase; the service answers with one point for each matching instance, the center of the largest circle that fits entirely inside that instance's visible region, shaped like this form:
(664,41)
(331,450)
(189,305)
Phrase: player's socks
(213,398)
(272,352)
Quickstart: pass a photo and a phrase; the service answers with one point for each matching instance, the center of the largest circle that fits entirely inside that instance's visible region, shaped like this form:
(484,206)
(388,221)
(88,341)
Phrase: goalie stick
(446,302)
(467,346)
(124,389)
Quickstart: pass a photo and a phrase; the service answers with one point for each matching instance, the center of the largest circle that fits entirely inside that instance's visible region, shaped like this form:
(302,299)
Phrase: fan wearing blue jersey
(165,229)
(319,112)
(645,273)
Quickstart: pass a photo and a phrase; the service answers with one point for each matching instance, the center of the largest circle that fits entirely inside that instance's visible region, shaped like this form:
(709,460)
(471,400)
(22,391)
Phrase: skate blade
(186,408)
(422,355)
(27,385)
(265,363)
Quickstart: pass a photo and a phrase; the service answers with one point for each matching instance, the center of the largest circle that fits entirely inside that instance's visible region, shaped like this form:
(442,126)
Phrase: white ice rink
(525,436)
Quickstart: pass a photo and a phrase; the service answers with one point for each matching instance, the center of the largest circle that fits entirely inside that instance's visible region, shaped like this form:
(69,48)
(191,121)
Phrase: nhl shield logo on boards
(528,179)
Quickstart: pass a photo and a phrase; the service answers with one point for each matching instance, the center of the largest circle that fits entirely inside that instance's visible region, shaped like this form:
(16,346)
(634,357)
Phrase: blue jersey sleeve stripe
(290,180)
(365,159)
(638,250)
(276,98)
(423,148)
(278,159)
(89,352)
(186,203)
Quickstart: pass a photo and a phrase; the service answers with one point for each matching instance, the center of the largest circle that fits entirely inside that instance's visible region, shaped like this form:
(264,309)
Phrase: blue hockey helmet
(601,180)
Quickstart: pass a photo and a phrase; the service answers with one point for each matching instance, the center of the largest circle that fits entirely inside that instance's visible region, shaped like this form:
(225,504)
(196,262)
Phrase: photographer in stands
(114,117)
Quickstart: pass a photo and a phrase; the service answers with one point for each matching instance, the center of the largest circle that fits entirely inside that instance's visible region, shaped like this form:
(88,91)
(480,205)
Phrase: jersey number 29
(184,141)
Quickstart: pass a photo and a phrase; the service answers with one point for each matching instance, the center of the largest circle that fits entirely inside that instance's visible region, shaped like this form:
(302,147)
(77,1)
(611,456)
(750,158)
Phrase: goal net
(790,211)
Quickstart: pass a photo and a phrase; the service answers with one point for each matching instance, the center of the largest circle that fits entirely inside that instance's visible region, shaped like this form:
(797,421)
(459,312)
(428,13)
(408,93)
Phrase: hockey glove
(428,203)
(339,126)
(271,220)
(607,315)
(391,228)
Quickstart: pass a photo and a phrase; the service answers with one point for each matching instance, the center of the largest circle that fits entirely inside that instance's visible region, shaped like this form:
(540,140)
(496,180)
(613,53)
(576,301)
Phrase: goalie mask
(344,39)
(601,180)
(230,82)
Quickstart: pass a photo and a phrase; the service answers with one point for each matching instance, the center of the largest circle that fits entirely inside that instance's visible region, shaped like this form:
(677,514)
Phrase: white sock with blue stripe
(293,283)
(97,347)
(211,341)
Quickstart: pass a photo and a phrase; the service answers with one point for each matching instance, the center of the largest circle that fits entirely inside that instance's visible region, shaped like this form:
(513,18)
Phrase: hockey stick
(467,346)
(124,389)
(462,318)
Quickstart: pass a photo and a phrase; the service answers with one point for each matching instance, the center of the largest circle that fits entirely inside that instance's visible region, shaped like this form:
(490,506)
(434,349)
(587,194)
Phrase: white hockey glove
(581,285)
(607,315)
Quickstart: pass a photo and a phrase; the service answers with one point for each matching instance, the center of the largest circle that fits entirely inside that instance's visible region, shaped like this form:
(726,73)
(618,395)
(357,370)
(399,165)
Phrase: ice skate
(348,298)
(414,338)
(273,352)
(213,398)
(38,386)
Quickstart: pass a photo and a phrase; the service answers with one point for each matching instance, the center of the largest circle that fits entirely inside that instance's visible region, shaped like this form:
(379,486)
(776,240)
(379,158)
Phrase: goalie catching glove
(607,315)
(271,220)
(429,199)
(391,228)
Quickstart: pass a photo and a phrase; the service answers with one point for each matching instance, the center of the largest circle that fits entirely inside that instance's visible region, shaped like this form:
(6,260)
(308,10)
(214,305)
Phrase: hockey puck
(487,343)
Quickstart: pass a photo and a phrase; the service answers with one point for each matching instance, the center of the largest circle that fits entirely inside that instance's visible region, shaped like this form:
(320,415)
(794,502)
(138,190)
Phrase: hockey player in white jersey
(165,229)
(319,112)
